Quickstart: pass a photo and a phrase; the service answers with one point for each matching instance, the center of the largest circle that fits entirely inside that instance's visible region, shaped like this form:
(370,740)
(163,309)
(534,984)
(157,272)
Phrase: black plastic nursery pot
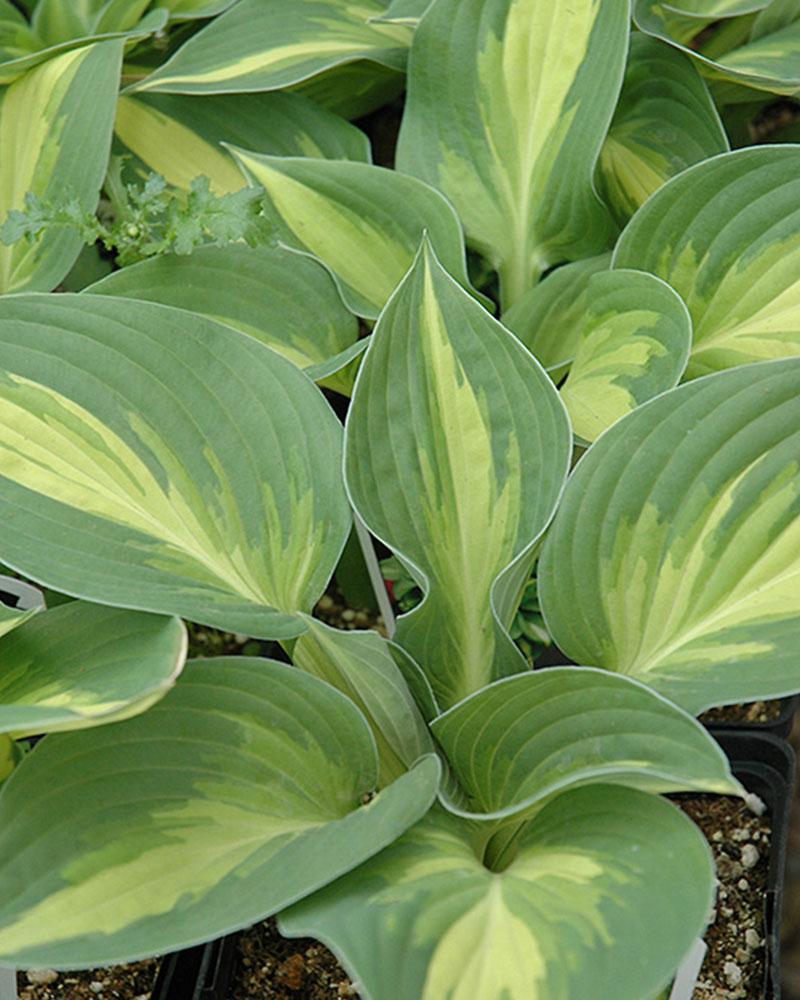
(201,973)
(765,764)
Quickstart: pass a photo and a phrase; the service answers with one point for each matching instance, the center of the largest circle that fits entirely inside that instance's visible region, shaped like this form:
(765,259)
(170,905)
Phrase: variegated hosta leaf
(55,133)
(550,318)
(11,618)
(636,338)
(665,121)
(769,63)
(725,236)
(522,740)
(353,89)
(361,665)
(286,301)
(180,137)
(55,21)
(457,447)
(509,102)
(153,459)
(270,46)
(404,12)
(675,554)
(238,794)
(81,665)
(363,222)
(773,17)
(9,756)
(24,50)
(188,10)
(607,891)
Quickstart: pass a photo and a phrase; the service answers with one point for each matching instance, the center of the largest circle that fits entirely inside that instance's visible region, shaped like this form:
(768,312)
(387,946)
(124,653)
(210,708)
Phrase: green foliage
(593,449)
(144,220)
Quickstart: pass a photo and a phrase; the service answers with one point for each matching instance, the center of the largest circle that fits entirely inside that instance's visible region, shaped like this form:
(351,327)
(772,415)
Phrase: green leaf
(522,740)
(363,222)
(258,46)
(8,756)
(769,63)
(81,665)
(305,320)
(11,618)
(188,10)
(55,129)
(508,106)
(153,459)
(776,15)
(404,12)
(180,137)
(456,450)
(22,50)
(609,888)
(724,234)
(549,319)
(636,338)
(675,554)
(665,121)
(236,795)
(361,665)
(353,89)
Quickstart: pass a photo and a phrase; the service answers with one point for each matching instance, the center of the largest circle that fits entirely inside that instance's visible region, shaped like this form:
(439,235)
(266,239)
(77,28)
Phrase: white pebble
(749,856)
(42,977)
(96,987)
(348,615)
(751,938)
(743,884)
(732,973)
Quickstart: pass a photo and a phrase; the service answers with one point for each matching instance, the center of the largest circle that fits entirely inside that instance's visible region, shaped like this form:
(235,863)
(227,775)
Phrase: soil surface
(748,713)
(734,965)
(121,982)
(270,967)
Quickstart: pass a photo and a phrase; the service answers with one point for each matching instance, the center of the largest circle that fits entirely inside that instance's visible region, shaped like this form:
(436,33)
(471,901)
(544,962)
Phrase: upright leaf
(180,137)
(270,46)
(457,447)
(11,618)
(508,106)
(602,877)
(238,794)
(81,665)
(363,222)
(675,554)
(361,665)
(285,301)
(212,492)
(55,133)
(725,235)
(665,121)
(636,338)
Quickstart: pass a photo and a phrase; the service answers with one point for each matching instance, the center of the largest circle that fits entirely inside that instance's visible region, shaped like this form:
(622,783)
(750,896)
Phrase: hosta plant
(567,252)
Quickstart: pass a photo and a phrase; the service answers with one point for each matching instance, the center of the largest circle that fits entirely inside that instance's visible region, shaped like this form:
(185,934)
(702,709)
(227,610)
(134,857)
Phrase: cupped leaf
(549,319)
(636,338)
(523,739)
(361,665)
(608,890)
(725,236)
(457,448)
(363,222)
(154,459)
(81,665)
(55,132)
(508,106)
(258,46)
(665,121)
(285,301)
(769,63)
(180,137)
(675,554)
(238,794)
